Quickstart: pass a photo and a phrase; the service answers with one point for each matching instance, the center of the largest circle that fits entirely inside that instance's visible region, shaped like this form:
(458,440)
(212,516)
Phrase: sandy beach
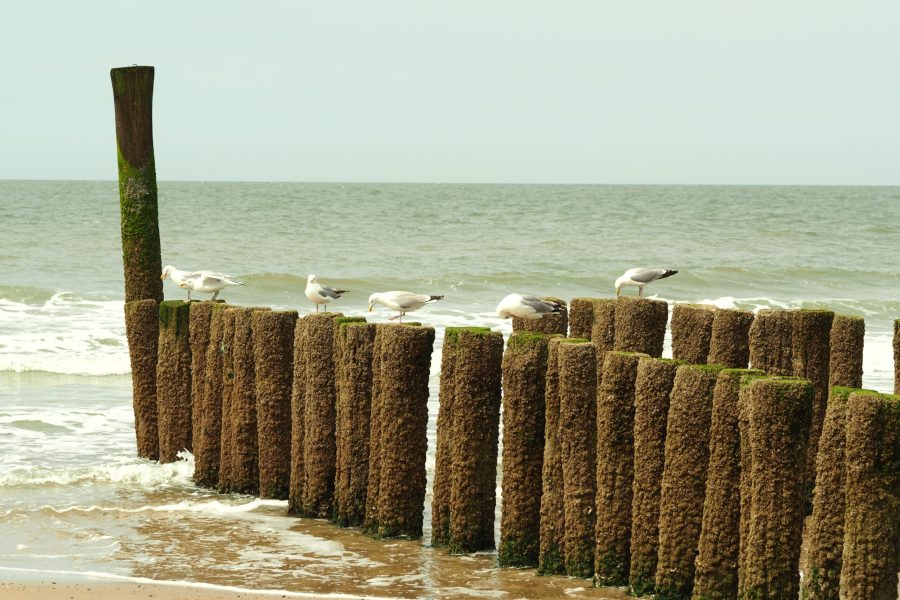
(48,590)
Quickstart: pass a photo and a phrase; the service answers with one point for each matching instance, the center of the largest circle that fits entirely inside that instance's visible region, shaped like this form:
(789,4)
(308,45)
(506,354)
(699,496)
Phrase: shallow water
(74,499)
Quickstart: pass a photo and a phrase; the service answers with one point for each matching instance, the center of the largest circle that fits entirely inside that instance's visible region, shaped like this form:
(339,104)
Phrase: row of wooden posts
(685,477)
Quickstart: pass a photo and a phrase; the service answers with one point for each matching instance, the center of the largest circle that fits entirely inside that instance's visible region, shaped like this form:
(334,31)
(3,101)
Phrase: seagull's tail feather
(234,281)
(432,298)
(557,307)
(341,291)
(668,273)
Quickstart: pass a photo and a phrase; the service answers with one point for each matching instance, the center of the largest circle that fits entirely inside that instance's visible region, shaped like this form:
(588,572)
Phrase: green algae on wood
(173,380)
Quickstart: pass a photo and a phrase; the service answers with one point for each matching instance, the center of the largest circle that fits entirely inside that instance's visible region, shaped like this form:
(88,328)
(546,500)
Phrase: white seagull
(641,277)
(204,282)
(321,294)
(526,307)
(402,302)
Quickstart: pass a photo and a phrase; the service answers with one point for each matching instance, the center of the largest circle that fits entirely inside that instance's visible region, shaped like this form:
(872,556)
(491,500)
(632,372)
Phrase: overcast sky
(717,91)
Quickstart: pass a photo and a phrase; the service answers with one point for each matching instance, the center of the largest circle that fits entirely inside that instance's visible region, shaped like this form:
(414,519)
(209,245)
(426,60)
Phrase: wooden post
(691,332)
(652,387)
(133,101)
(730,342)
(770,342)
(551,552)
(524,386)
(845,363)
(173,380)
(207,322)
(641,325)
(581,317)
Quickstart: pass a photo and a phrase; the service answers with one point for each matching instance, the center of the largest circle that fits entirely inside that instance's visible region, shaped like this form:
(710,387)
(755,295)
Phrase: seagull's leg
(216,295)
(640,291)
(189,295)
(618,291)
(325,307)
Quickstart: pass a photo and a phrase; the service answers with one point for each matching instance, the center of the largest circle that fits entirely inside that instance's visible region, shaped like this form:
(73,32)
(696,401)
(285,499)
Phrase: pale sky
(633,91)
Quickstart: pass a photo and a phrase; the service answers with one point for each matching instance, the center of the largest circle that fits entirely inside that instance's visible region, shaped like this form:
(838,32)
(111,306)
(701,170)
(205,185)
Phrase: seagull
(402,302)
(199,281)
(526,307)
(321,294)
(641,277)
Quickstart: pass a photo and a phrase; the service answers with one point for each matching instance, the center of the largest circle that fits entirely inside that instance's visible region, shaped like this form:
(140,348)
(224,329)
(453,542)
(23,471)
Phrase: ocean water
(75,501)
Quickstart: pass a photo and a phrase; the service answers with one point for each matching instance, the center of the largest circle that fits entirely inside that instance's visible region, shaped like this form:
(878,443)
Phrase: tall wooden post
(133,100)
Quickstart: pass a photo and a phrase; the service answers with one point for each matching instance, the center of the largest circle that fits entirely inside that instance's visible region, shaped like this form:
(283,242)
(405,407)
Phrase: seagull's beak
(370,307)
(163,276)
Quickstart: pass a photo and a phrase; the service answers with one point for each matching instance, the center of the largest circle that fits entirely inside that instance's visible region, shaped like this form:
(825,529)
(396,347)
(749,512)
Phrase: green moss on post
(476,428)
(578,441)
(615,468)
(730,341)
(779,415)
(549,323)
(550,559)
(684,479)
(692,326)
(133,101)
(142,330)
(872,527)
(716,576)
(173,380)
(524,387)
(652,387)
(821,579)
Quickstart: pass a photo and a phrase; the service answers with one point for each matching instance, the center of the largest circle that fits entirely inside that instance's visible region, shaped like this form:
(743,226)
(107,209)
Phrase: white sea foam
(129,471)
(66,334)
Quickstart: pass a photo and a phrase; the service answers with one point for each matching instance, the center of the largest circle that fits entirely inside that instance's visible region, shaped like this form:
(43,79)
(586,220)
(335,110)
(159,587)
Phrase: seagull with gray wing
(641,277)
(321,294)
(526,307)
(205,282)
(402,302)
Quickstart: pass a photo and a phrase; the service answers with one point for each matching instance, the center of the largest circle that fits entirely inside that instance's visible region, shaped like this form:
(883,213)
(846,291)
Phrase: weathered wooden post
(223,465)
(578,444)
(476,425)
(551,551)
(640,325)
(845,363)
(717,557)
(770,342)
(692,326)
(779,416)
(443,458)
(354,344)
(133,101)
(370,522)
(730,341)
(207,324)
(298,425)
(652,387)
(405,361)
(273,354)
(822,577)
(173,380)
(897,357)
(811,343)
(524,387)
(319,416)
(142,330)
(603,330)
(581,317)
(549,323)
(684,479)
(239,456)
(615,468)
(871,556)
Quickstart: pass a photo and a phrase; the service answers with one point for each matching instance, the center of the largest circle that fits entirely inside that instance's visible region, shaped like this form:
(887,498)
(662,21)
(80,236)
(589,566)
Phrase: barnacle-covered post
(872,526)
(273,353)
(207,322)
(133,101)
(551,551)
(524,386)
(615,468)
(443,458)
(730,341)
(770,342)
(581,317)
(692,326)
(549,323)
(845,363)
(684,478)
(640,325)
(652,387)
(173,380)
(577,439)
(476,425)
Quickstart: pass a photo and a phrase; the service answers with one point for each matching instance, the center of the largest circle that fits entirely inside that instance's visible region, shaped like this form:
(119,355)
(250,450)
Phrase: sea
(77,504)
